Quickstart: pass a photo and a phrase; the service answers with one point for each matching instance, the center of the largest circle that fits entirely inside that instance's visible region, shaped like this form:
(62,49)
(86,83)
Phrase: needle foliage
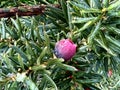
(27,60)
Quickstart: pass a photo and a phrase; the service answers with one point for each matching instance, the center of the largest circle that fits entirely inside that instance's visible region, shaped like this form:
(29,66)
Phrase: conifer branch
(23,10)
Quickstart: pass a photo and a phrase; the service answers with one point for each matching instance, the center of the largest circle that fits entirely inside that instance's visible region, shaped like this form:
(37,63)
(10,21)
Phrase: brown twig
(23,10)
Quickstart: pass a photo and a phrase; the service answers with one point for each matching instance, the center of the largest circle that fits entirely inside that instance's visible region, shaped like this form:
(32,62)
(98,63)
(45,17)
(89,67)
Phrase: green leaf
(95,4)
(89,78)
(67,67)
(88,81)
(22,54)
(106,65)
(41,55)
(50,81)
(58,13)
(105,3)
(91,11)
(15,24)
(60,26)
(94,33)
(113,40)
(35,46)
(3,29)
(114,13)
(103,45)
(13,86)
(54,61)
(8,63)
(113,29)
(21,62)
(79,74)
(12,33)
(38,67)
(31,84)
(114,48)
(92,87)
(38,35)
(87,25)
(64,9)
(47,41)
(82,20)
(19,25)
(69,15)
(116,58)
(79,5)
(32,23)
(114,5)
(29,50)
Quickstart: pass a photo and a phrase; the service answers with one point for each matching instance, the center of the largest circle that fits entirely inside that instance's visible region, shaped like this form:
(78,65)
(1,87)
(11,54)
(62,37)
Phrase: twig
(23,10)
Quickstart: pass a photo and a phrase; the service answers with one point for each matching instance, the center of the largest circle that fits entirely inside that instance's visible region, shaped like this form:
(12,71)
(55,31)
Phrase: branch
(23,10)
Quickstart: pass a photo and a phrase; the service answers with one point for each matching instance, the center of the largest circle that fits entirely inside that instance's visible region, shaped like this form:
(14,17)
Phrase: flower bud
(110,73)
(65,49)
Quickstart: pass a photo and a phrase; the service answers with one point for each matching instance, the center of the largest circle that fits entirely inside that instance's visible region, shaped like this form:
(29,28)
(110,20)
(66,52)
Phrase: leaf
(38,67)
(91,11)
(106,64)
(22,54)
(80,5)
(32,23)
(114,48)
(67,67)
(31,84)
(113,29)
(54,61)
(82,20)
(116,58)
(47,41)
(89,78)
(92,87)
(56,13)
(64,9)
(12,33)
(95,4)
(114,64)
(35,46)
(87,25)
(105,3)
(41,55)
(114,14)
(113,40)
(61,26)
(29,50)
(69,15)
(18,26)
(50,81)
(114,5)
(15,23)
(21,62)
(13,86)
(88,81)
(94,33)
(38,35)
(3,29)
(79,74)
(103,45)
(8,63)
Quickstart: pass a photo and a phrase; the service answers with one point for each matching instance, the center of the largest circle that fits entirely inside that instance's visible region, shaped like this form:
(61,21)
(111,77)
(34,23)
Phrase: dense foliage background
(27,60)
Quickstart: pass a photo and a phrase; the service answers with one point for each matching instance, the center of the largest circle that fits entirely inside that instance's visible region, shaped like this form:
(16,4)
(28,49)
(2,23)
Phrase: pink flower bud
(65,49)
(110,73)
